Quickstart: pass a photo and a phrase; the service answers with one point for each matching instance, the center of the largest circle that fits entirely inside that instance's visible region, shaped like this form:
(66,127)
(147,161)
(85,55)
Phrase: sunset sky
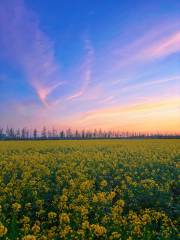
(89,64)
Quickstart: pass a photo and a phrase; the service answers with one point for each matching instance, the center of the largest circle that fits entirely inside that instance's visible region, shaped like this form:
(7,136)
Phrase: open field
(98,189)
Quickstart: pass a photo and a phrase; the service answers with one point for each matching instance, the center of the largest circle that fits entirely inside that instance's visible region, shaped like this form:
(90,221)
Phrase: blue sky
(90,64)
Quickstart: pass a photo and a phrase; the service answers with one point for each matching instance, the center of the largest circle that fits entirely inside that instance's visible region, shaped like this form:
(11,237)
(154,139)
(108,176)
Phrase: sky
(85,64)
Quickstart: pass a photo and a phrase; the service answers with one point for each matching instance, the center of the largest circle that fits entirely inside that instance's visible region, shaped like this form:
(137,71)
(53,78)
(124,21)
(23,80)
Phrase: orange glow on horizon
(161,115)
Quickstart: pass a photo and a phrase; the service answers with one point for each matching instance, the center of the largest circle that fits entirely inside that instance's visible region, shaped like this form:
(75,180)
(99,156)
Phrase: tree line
(44,133)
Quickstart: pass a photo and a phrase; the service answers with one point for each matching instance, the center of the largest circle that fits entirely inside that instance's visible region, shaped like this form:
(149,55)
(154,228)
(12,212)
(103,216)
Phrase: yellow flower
(3,230)
(86,185)
(84,211)
(137,230)
(43,237)
(115,235)
(26,227)
(64,218)
(65,231)
(128,179)
(63,198)
(98,230)
(145,218)
(129,238)
(95,198)
(29,237)
(117,211)
(99,197)
(111,195)
(35,229)
(50,234)
(25,220)
(85,225)
(103,183)
(120,203)
(16,207)
(52,215)
(105,219)
(39,203)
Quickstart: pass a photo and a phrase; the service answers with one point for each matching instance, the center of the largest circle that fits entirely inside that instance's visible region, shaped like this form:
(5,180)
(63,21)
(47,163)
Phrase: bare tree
(35,133)
(1,133)
(62,134)
(44,133)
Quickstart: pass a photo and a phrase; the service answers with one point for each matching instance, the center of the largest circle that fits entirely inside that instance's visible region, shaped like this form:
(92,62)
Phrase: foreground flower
(98,230)
(3,230)
(64,218)
(16,207)
(29,237)
(36,229)
(52,215)
(115,235)
(64,232)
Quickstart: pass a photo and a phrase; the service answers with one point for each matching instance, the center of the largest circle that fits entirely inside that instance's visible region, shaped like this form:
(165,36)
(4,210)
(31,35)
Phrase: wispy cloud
(155,43)
(107,100)
(162,48)
(85,71)
(28,48)
(147,83)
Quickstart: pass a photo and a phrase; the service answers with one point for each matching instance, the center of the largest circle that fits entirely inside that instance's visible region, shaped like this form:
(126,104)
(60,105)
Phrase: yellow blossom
(52,215)
(25,220)
(86,185)
(65,231)
(115,235)
(137,230)
(98,230)
(99,197)
(29,237)
(35,229)
(64,218)
(111,195)
(3,230)
(85,225)
(16,206)
(103,183)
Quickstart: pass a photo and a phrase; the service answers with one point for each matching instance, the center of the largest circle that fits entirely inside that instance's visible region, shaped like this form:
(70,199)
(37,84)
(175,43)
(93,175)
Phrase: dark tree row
(34,134)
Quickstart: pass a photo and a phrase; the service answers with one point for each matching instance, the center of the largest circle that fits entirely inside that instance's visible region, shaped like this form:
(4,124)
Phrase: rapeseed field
(91,189)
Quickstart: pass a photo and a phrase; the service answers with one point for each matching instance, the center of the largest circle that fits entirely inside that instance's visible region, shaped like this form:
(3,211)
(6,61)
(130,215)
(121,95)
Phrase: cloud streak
(28,48)
(85,71)
(148,83)
(162,48)
(154,44)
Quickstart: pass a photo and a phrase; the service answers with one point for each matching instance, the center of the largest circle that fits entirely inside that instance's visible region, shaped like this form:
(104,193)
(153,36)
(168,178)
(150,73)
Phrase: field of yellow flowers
(91,189)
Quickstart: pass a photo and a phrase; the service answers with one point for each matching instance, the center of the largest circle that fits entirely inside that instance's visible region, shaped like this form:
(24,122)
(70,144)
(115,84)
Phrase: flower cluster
(93,189)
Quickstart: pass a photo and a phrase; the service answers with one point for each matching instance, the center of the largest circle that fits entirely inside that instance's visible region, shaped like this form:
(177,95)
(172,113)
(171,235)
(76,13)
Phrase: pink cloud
(155,43)
(75,95)
(163,47)
(28,47)
(107,100)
